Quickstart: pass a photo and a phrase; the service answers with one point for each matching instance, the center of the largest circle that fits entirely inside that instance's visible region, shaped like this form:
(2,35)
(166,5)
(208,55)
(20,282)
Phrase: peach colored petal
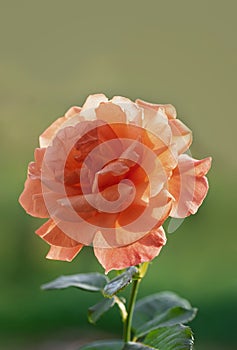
(133,112)
(135,223)
(147,140)
(157,123)
(39,157)
(60,163)
(80,230)
(32,199)
(72,112)
(146,249)
(169,109)
(85,230)
(34,168)
(147,217)
(92,102)
(111,174)
(64,254)
(188,185)
(46,137)
(181,135)
(79,203)
(107,223)
(158,168)
(52,234)
(112,199)
(110,113)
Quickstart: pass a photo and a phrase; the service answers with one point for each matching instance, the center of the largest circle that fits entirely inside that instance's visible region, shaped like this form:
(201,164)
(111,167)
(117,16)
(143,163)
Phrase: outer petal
(157,123)
(52,234)
(181,135)
(145,249)
(92,102)
(188,185)
(132,110)
(47,136)
(110,113)
(169,109)
(64,254)
(31,198)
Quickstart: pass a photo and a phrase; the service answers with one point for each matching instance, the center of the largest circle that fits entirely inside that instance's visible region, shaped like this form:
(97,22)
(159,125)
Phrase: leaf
(160,310)
(120,282)
(155,304)
(92,282)
(177,337)
(171,317)
(96,311)
(104,345)
(137,346)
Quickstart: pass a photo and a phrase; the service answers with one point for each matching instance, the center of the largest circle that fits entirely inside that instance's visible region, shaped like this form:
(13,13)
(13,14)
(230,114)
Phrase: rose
(109,174)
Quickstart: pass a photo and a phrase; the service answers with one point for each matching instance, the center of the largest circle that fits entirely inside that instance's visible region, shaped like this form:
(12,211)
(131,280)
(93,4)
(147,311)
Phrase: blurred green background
(55,53)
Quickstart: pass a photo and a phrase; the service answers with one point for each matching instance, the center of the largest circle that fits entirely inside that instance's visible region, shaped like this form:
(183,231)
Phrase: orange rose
(108,175)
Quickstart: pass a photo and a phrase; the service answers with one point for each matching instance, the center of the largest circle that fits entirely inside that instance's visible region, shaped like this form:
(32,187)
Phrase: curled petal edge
(188,185)
(145,249)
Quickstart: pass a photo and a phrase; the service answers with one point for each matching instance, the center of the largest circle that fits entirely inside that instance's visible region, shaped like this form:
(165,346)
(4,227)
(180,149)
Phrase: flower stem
(128,322)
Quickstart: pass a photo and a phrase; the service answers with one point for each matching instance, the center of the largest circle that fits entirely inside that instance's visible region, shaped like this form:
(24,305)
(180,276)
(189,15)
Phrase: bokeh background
(52,55)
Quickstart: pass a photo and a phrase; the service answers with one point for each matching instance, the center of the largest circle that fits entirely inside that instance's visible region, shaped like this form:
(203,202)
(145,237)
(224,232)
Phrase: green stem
(128,322)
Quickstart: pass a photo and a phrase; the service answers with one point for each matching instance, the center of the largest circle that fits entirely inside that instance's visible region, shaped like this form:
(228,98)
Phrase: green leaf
(171,317)
(120,282)
(104,345)
(160,310)
(177,337)
(137,346)
(96,311)
(92,282)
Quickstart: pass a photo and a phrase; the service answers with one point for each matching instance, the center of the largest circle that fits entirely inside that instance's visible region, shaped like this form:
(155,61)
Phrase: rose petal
(135,222)
(169,109)
(111,174)
(133,112)
(146,218)
(31,198)
(92,102)
(46,137)
(64,254)
(157,168)
(72,112)
(157,123)
(188,185)
(181,135)
(110,113)
(52,234)
(145,249)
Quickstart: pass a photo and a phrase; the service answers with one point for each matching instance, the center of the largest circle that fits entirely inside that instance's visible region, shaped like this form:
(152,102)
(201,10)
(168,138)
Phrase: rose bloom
(108,174)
